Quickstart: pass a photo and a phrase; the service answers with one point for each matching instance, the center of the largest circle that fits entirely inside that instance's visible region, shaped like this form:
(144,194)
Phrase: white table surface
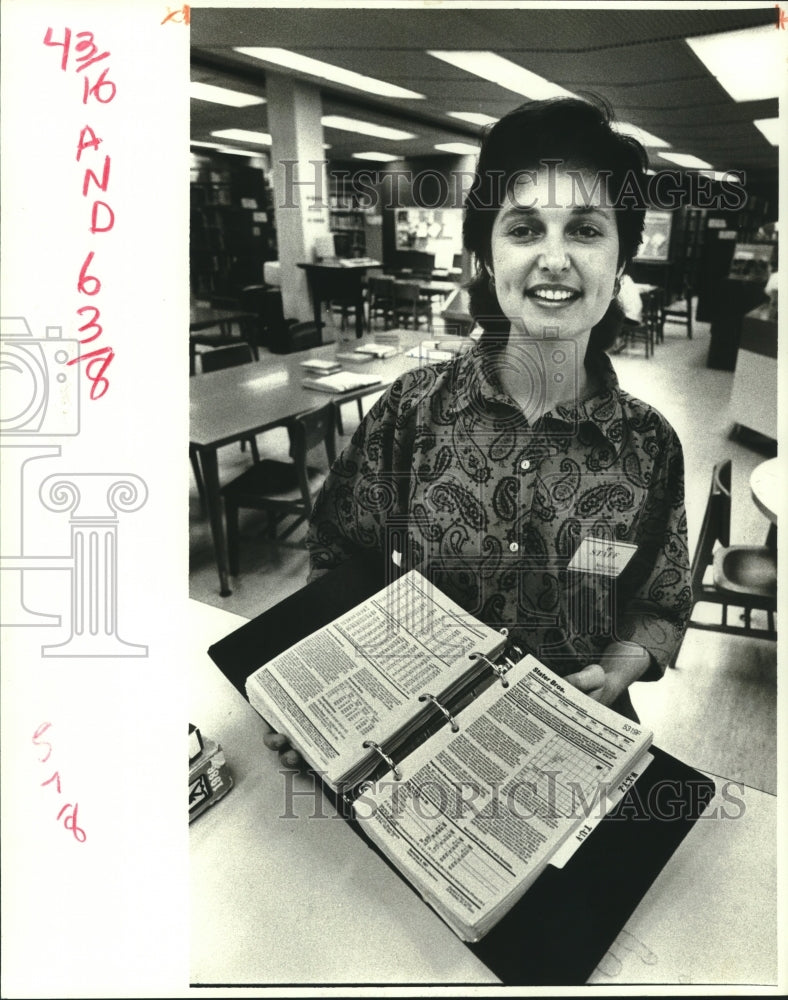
(305,901)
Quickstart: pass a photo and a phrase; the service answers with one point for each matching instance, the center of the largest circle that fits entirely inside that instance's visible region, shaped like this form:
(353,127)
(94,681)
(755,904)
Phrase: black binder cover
(561,928)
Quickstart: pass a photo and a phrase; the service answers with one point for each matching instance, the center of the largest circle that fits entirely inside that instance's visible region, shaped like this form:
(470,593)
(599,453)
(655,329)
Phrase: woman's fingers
(289,757)
(275,741)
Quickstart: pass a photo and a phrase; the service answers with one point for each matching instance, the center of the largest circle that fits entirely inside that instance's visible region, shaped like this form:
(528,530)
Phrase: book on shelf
(321,365)
(470,765)
(341,381)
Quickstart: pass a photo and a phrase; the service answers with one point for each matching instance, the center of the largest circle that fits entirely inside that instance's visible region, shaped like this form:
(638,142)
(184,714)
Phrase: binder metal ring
(372,745)
(518,651)
(497,668)
(431,697)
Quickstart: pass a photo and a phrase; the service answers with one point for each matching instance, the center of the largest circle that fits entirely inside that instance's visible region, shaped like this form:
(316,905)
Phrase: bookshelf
(232,226)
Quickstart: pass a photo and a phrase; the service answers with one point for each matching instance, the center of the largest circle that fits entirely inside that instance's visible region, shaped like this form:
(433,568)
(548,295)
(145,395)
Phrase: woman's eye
(521,231)
(587,231)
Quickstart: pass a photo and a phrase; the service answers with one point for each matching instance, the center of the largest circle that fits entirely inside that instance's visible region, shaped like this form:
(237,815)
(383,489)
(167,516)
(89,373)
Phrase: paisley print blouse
(448,471)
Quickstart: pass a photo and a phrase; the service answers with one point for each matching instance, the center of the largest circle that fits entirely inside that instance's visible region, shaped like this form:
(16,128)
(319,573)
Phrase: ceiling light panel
(643,137)
(460,148)
(364,128)
(221,95)
(496,69)
(685,160)
(288,59)
(474,117)
(378,157)
(244,135)
(746,63)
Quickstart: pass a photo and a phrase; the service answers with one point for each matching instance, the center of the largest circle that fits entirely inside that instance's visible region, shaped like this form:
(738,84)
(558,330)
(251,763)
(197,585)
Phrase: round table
(765,488)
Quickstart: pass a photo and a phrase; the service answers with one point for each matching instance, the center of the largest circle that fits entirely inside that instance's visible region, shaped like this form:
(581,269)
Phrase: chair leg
(255,451)
(689,318)
(231,520)
(360,410)
(198,478)
(340,428)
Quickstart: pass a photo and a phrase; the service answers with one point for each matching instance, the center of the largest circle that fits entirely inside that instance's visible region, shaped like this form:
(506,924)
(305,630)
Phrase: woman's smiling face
(554,254)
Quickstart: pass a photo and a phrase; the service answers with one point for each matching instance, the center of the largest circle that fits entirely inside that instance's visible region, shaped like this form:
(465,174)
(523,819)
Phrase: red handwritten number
(91,323)
(39,742)
(173,15)
(88,46)
(70,822)
(95,369)
(48,40)
(782,17)
(96,89)
(84,278)
(56,778)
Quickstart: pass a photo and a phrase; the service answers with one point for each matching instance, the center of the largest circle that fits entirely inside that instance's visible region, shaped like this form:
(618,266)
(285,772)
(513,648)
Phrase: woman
(499,473)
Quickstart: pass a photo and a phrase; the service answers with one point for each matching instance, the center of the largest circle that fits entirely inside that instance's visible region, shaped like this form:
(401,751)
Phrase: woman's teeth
(553,294)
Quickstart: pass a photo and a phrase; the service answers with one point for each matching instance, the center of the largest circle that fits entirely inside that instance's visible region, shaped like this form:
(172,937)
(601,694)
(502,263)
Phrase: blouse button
(513,547)
(525,465)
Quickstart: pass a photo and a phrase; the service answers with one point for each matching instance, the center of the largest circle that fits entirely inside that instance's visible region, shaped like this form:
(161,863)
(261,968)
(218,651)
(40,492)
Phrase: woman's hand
(289,758)
(591,680)
(621,664)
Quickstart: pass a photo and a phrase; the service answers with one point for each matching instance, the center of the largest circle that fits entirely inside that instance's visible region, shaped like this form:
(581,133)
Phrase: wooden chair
(381,300)
(647,329)
(282,489)
(680,311)
(742,576)
(409,306)
(231,357)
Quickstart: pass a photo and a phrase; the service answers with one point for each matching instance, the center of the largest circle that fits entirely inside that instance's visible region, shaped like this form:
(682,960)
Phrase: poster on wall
(656,236)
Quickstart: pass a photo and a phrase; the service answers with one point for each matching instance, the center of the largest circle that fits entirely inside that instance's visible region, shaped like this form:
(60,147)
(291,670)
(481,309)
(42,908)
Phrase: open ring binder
(431,697)
(372,745)
(497,668)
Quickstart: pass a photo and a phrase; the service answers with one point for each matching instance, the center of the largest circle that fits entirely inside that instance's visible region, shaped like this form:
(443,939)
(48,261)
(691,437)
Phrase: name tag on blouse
(596,555)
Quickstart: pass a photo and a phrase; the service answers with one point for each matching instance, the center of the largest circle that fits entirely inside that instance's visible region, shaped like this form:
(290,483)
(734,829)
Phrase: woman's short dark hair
(579,134)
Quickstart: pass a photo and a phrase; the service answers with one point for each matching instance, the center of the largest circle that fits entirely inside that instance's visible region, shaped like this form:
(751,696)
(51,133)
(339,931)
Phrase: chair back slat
(226,357)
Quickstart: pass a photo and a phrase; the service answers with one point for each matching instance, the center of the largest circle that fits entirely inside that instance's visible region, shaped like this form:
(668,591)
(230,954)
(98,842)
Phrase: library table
(303,900)
(236,403)
(341,283)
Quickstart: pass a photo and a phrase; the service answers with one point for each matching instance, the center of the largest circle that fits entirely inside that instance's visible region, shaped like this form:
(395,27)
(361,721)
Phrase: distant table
(236,403)
(303,900)
(204,318)
(765,488)
(337,282)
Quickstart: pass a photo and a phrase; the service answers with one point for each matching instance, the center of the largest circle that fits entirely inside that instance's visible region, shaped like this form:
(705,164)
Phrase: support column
(300,183)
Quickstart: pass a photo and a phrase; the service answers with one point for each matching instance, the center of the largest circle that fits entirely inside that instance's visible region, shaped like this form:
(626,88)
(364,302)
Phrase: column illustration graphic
(94,501)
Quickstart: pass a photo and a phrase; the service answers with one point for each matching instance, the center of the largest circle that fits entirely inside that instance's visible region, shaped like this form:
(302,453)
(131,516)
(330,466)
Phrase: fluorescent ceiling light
(746,63)
(327,71)
(207,145)
(474,117)
(364,128)
(769,127)
(220,95)
(240,152)
(244,135)
(685,160)
(461,148)
(505,73)
(642,136)
(724,175)
(380,157)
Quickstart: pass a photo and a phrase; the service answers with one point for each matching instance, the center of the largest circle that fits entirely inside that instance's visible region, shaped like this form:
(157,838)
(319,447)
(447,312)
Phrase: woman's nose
(553,256)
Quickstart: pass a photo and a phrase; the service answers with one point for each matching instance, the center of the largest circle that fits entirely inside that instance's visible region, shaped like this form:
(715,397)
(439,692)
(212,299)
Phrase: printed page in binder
(364,677)
(477,814)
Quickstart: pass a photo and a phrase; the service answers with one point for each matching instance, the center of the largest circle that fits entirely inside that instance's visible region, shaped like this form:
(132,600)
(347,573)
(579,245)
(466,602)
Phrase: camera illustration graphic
(39,390)
(547,368)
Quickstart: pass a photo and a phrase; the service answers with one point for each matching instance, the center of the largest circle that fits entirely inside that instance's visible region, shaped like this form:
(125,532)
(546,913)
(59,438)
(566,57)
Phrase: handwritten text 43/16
(81,53)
